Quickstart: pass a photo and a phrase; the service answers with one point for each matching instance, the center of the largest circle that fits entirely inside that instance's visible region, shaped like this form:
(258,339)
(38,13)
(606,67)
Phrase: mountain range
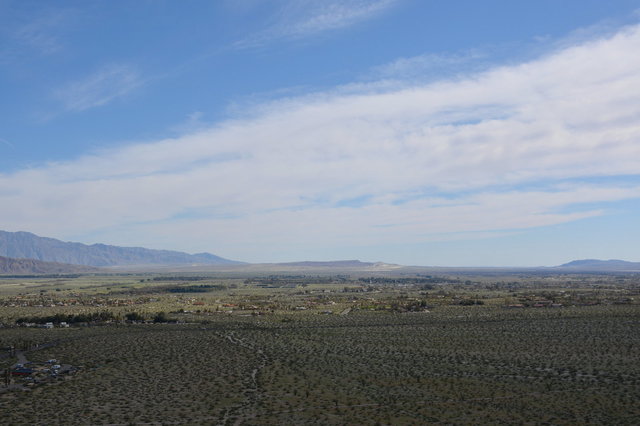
(332,264)
(25,245)
(602,265)
(31,266)
(25,253)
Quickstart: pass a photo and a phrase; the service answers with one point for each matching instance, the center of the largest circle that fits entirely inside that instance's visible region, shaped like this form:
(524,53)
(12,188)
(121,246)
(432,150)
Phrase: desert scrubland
(323,349)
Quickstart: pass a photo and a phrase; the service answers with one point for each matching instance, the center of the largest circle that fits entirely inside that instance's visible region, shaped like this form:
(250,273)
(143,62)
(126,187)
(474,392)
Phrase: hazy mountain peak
(603,265)
(30,246)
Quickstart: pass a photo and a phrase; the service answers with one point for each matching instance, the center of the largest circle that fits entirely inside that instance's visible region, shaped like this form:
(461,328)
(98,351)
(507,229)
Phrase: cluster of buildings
(33,373)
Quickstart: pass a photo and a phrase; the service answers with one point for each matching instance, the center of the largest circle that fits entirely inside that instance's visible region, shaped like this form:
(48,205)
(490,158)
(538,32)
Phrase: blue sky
(458,133)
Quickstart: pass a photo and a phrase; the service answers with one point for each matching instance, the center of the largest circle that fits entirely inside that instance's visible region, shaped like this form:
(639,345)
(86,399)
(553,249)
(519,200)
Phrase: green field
(329,350)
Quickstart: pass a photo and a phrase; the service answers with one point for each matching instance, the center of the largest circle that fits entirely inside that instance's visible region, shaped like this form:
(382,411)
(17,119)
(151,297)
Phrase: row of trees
(93,317)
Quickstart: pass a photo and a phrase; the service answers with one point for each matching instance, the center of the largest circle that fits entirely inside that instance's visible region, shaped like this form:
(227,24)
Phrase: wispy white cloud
(6,142)
(100,88)
(41,33)
(38,32)
(430,66)
(315,17)
(299,19)
(510,148)
(193,123)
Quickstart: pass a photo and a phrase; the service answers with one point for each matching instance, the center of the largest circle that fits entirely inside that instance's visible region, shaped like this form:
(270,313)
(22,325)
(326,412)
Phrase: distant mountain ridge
(30,266)
(601,265)
(26,245)
(330,263)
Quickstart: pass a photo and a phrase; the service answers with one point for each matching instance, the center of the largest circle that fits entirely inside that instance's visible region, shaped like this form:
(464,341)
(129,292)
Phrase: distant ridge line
(329,263)
(26,245)
(601,265)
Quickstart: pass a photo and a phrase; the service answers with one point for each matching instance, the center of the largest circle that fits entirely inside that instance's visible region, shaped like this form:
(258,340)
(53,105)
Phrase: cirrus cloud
(101,87)
(299,19)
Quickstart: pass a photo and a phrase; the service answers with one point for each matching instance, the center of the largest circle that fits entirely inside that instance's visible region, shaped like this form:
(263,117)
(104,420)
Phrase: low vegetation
(543,349)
